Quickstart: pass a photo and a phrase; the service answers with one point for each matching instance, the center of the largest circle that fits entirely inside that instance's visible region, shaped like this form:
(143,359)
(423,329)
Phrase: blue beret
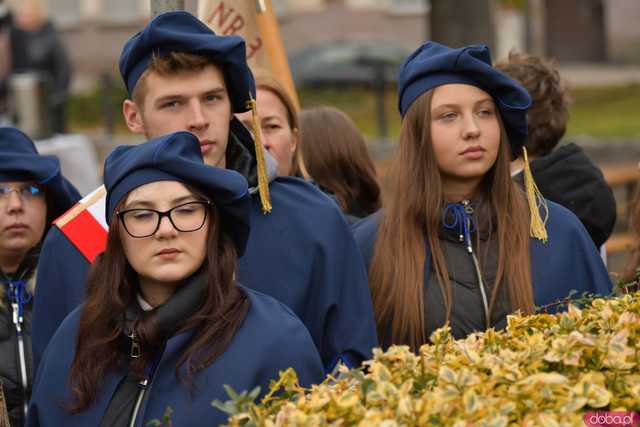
(434,64)
(177,157)
(182,32)
(20,161)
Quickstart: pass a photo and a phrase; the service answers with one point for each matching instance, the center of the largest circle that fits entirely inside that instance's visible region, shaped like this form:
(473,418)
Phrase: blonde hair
(267,81)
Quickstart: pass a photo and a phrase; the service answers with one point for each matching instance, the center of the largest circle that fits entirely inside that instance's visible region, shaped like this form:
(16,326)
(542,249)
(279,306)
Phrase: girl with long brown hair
(165,324)
(458,242)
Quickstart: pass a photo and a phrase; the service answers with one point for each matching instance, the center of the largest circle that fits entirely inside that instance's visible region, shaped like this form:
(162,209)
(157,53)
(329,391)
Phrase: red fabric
(86,234)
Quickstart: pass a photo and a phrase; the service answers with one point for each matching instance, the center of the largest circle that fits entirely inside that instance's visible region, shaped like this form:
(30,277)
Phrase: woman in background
(32,193)
(278,120)
(337,159)
(37,47)
(630,272)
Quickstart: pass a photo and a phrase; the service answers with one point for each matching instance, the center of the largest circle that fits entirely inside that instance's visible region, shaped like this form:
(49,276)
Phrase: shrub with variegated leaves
(542,370)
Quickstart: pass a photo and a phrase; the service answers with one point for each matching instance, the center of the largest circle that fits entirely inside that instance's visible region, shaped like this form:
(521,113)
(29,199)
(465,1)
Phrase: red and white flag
(85,224)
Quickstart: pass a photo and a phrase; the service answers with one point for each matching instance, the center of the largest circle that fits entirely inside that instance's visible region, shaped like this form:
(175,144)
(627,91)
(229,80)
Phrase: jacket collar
(170,316)
(240,156)
(26,269)
(480,214)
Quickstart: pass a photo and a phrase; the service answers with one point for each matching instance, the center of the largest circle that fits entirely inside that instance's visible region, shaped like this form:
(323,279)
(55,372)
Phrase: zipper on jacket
(145,383)
(135,345)
(134,354)
(16,288)
(17,321)
(483,292)
(136,409)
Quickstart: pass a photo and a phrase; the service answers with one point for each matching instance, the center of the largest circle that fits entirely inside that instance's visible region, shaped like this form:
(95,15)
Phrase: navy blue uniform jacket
(568,260)
(270,339)
(302,253)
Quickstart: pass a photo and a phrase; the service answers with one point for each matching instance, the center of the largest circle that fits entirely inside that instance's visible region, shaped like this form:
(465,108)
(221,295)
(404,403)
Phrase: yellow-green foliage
(543,370)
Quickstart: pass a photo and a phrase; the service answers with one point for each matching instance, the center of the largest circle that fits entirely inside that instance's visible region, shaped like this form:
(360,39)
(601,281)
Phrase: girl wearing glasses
(458,242)
(32,191)
(165,324)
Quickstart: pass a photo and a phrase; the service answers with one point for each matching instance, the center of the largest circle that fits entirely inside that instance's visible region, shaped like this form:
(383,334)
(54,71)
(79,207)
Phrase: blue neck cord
(455,217)
(18,294)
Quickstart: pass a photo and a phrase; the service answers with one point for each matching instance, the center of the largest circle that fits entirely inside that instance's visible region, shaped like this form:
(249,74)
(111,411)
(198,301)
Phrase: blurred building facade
(603,31)
(585,30)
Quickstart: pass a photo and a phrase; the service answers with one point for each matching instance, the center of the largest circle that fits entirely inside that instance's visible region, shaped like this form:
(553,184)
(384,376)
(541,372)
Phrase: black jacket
(43,51)
(569,177)
(467,311)
(169,316)
(10,367)
(5,55)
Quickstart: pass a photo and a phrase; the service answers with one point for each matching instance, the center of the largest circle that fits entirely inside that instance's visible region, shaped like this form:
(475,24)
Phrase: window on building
(367,4)
(65,13)
(123,11)
(301,5)
(409,7)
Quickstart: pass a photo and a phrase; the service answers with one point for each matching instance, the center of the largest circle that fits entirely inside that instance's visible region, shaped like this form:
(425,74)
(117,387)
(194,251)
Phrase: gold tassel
(263,180)
(538,228)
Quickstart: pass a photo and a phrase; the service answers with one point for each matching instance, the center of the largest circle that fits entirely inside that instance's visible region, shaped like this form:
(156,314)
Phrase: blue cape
(270,339)
(567,261)
(302,253)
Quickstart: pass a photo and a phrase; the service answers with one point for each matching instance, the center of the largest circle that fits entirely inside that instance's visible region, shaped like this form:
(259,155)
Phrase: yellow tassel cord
(263,180)
(536,201)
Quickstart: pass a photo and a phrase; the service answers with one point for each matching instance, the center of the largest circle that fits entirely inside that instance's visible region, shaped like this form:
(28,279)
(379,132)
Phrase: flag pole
(272,42)
(159,6)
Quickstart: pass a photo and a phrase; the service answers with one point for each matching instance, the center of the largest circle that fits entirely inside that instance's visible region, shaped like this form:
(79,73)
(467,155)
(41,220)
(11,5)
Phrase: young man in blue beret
(181,76)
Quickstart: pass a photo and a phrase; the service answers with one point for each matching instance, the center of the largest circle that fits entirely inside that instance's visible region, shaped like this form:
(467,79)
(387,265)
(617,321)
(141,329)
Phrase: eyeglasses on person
(187,217)
(26,192)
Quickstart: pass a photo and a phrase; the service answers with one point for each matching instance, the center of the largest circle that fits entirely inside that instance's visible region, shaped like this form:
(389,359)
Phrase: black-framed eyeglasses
(187,217)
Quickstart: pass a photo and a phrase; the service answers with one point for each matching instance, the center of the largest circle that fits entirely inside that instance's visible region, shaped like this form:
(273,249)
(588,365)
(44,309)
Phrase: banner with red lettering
(227,17)
(256,22)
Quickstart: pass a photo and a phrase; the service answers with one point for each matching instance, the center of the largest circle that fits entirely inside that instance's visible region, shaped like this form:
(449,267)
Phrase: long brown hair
(633,261)
(413,212)
(112,287)
(337,158)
